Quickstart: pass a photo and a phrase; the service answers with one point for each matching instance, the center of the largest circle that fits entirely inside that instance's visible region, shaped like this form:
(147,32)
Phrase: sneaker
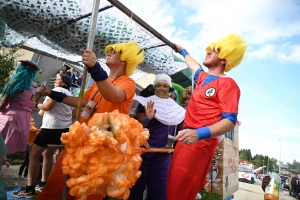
(39,188)
(23,194)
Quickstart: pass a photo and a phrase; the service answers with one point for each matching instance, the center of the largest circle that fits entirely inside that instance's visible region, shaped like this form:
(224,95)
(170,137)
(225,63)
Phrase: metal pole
(263,166)
(141,22)
(90,45)
(48,54)
(279,154)
(268,165)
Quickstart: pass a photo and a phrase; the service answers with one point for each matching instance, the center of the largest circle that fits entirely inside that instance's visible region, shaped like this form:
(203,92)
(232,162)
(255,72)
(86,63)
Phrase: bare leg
(34,164)
(47,163)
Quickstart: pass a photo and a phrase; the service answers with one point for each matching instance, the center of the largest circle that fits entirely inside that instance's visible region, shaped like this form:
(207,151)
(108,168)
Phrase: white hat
(164,78)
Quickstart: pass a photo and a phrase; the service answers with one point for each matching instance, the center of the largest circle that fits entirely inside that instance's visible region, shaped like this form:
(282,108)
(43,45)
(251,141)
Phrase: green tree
(7,65)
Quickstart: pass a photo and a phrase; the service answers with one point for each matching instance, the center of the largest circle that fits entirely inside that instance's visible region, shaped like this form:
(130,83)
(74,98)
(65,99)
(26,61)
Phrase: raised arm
(61,97)
(190,61)
(111,93)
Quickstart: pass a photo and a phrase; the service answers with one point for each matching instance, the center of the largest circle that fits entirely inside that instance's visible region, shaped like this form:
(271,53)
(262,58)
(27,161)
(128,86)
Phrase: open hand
(150,111)
(45,91)
(187,136)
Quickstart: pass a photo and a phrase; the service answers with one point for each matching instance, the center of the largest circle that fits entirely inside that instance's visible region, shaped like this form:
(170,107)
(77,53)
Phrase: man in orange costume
(107,93)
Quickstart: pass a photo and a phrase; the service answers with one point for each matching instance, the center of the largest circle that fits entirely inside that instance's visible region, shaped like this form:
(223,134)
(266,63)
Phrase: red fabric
(188,170)
(208,102)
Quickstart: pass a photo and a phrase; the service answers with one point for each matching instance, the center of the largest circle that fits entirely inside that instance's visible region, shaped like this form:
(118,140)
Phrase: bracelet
(97,72)
(146,120)
(203,133)
(183,52)
(57,96)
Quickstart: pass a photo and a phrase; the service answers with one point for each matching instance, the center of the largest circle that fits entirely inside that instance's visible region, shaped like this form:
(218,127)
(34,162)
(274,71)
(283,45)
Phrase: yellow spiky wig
(231,48)
(130,53)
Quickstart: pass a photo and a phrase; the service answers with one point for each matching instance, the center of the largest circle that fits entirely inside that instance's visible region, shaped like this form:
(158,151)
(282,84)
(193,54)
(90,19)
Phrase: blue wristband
(183,52)
(97,72)
(203,133)
(146,120)
(57,96)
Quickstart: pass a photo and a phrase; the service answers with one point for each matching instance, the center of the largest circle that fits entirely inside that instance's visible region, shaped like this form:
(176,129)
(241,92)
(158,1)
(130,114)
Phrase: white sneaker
(198,196)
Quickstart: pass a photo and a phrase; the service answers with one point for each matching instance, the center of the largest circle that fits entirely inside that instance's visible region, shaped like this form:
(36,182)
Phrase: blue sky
(269,74)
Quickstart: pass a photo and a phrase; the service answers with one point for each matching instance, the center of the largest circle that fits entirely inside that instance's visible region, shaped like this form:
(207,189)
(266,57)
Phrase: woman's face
(162,90)
(58,82)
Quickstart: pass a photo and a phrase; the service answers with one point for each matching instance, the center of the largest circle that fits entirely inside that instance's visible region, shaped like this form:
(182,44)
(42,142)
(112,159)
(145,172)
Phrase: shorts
(49,136)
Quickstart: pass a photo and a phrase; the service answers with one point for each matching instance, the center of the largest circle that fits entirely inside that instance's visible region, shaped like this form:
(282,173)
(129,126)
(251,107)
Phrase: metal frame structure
(90,43)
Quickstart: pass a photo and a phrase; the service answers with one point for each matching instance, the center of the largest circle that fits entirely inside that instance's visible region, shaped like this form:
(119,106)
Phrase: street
(249,191)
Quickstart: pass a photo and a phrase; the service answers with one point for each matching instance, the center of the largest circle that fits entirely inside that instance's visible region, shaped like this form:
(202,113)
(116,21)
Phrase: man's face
(64,68)
(211,59)
(113,59)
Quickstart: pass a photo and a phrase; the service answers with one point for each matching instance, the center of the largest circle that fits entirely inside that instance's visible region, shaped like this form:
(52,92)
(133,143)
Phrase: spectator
(16,107)
(3,151)
(281,183)
(70,72)
(162,126)
(294,182)
(57,119)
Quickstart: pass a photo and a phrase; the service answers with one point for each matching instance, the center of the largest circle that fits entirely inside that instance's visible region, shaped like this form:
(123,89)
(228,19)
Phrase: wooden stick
(156,150)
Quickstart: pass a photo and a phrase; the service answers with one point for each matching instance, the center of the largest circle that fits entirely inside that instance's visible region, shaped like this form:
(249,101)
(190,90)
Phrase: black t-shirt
(293,181)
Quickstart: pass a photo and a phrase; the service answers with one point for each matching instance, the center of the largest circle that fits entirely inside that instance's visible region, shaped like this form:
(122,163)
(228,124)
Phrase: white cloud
(258,21)
(293,54)
(281,52)
(156,13)
(261,53)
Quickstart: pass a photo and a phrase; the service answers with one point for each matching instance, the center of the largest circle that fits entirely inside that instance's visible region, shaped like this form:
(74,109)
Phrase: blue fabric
(209,78)
(155,167)
(203,133)
(97,72)
(183,52)
(146,120)
(197,74)
(230,116)
(57,96)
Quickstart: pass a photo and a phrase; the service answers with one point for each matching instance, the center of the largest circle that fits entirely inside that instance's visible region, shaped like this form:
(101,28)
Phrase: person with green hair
(212,112)
(16,106)
(109,92)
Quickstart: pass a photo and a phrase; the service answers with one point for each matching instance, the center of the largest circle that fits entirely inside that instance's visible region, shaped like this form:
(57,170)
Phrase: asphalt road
(249,191)
(246,191)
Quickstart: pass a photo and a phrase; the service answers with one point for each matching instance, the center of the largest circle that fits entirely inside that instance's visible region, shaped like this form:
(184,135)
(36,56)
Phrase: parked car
(261,176)
(247,175)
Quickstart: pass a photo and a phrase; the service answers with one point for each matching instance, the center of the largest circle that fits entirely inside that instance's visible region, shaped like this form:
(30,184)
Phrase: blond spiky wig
(231,48)
(130,53)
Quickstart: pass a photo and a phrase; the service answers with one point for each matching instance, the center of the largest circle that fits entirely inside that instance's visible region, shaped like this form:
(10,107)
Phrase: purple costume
(15,121)
(155,166)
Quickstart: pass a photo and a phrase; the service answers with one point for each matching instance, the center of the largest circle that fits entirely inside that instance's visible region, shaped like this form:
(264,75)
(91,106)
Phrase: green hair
(22,79)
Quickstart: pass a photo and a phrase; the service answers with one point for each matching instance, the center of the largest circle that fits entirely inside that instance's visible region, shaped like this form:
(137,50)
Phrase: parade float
(58,29)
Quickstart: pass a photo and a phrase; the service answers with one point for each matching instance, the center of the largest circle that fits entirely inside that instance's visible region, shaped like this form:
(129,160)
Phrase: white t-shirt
(60,117)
